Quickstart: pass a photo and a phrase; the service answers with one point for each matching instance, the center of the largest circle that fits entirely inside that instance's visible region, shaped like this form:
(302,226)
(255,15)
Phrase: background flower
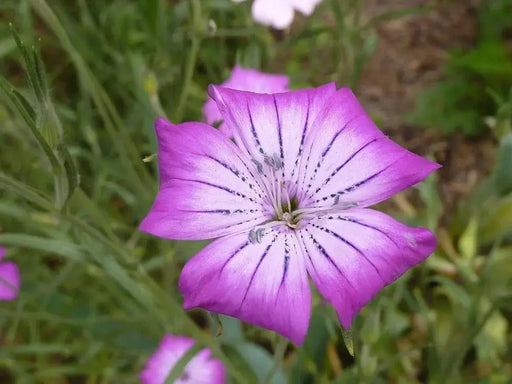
(9,278)
(245,79)
(279,14)
(201,369)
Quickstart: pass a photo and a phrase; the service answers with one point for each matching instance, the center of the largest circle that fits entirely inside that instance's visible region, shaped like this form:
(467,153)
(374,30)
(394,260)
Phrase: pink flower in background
(202,369)
(279,13)
(9,278)
(288,202)
(245,80)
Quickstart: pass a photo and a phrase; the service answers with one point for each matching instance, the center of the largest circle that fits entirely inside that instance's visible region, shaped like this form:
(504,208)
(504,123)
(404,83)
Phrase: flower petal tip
(213,92)
(145,225)
(161,124)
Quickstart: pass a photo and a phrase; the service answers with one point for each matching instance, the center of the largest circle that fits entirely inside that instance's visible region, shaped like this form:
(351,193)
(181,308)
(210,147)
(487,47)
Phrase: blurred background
(81,84)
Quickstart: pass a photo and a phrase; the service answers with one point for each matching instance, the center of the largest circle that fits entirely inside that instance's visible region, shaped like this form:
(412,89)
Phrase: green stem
(278,358)
(191,58)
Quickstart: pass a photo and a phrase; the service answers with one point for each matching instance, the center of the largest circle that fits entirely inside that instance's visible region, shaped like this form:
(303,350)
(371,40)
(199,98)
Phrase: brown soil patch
(410,57)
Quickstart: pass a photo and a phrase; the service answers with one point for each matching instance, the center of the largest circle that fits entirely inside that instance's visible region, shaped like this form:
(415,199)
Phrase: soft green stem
(61,189)
(191,58)
(278,358)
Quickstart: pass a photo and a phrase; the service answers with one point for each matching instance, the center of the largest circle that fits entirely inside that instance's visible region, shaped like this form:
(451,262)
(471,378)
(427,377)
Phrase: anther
(259,166)
(274,162)
(343,205)
(255,235)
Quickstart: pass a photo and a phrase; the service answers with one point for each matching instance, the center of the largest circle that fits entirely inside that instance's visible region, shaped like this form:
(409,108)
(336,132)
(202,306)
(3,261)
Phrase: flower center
(287,214)
(284,210)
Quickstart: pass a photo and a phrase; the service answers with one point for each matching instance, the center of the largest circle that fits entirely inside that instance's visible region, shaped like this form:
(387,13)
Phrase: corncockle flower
(286,200)
(279,14)
(245,80)
(201,369)
(9,279)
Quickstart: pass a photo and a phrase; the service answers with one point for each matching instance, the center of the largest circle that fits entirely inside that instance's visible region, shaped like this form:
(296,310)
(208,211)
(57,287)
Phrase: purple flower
(288,200)
(245,80)
(202,369)
(279,14)
(9,278)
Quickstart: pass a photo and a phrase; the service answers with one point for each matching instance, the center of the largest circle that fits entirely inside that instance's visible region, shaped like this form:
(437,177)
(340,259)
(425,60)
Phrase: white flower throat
(286,210)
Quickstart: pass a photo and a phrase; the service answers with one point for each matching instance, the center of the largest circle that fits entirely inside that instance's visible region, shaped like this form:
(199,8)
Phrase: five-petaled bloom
(9,278)
(279,13)
(244,79)
(201,369)
(286,200)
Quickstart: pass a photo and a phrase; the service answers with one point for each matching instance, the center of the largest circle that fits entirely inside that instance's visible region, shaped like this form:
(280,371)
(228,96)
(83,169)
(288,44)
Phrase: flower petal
(352,255)
(201,369)
(305,6)
(245,79)
(207,190)
(351,161)
(9,281)
(273,125)
(278,14)
(161,363)
(264,283)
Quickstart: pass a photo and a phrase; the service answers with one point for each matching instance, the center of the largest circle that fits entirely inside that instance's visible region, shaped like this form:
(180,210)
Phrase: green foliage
(462,100)
(491,202)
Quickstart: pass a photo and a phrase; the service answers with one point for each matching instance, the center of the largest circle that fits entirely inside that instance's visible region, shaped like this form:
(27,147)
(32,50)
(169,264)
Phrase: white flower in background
(279,13)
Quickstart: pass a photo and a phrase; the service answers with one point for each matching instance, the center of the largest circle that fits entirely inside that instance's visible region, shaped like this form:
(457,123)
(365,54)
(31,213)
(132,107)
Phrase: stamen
(278,186)
(268,189)
(274,162)
(317,211)
(259,166)
(256,234)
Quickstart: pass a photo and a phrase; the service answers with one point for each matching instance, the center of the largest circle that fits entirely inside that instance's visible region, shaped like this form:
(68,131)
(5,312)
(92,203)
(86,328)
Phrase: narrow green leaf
(29,63)
(40,70)
(73,178)
(20,103)
(348,339)
(24,191)
(25,104)
(468,241)
(35,349)
(59,247)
